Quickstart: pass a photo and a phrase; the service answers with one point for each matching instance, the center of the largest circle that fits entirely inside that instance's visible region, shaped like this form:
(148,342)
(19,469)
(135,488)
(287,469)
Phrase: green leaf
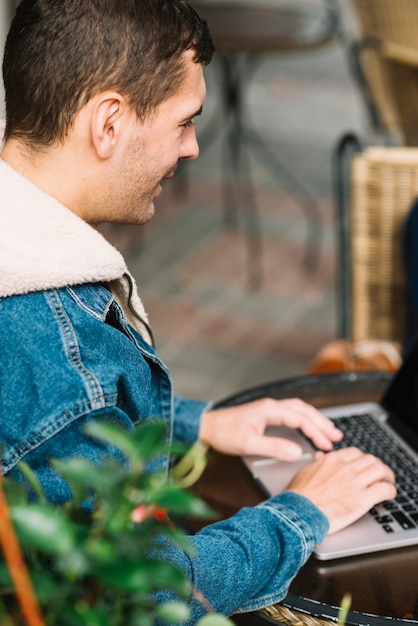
(74,564)
(83,476)
(141,618)
(44,527)
(214,619)
(45,585)
(74,471)
(179,501)
(32,479)
(145,442)
(151,439)
(106,431)
(101,550)
(16,493)
(5,580)
(91,616)
(174,612)
(190,468)
(144,576)
(344,609)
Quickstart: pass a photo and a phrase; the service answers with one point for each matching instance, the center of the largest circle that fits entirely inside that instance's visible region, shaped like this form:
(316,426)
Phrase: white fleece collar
(43,245)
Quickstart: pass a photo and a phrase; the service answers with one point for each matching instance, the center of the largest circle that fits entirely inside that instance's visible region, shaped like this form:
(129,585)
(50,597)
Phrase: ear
(106,123)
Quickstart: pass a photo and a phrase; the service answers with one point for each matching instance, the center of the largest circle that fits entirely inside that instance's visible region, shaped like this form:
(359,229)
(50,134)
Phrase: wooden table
(383,586)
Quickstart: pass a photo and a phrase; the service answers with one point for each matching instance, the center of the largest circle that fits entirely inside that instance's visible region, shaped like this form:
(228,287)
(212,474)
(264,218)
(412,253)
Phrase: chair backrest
(401,65)
(395,21)
(384,186)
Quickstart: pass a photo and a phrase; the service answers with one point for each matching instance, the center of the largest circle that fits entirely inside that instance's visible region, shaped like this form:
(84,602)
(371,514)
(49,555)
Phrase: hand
(240,429)
(345,484)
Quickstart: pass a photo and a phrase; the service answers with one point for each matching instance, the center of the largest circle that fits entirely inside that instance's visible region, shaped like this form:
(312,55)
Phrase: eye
(188,124)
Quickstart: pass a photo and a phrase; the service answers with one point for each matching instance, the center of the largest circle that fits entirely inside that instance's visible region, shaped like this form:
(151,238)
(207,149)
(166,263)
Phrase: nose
(189,146)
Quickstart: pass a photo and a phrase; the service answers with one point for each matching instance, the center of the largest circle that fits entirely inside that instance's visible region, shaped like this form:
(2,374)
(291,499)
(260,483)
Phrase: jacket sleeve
(248,561)
(187,416)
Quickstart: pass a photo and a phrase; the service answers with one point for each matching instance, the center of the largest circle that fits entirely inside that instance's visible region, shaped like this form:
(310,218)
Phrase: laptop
(388,429)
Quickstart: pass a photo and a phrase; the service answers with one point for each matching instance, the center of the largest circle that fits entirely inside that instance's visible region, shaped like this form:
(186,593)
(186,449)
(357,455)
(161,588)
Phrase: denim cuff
(314,523)
(187,417)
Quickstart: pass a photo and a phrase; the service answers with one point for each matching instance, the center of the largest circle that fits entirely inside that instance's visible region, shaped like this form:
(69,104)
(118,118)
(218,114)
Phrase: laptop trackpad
(274,476)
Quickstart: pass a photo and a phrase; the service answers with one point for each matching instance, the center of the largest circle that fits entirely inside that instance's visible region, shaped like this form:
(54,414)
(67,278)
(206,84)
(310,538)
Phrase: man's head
(61,53)
(100,100)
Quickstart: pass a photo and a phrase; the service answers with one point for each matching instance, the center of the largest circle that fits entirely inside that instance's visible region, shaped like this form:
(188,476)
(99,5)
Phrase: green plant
(98,560)
(344,609)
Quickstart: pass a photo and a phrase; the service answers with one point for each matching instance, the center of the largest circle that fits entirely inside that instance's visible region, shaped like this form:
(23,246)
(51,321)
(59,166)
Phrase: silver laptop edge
(365,535)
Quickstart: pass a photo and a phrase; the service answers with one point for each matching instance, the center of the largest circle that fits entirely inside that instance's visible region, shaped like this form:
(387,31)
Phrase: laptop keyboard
(364,433)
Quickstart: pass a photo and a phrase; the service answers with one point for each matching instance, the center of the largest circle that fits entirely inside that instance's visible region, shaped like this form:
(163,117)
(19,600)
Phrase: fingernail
(294,454)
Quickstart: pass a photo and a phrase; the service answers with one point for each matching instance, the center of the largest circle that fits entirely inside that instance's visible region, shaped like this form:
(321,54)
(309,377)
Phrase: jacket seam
(300,526)
(52,429)
(73,351)
(99,316)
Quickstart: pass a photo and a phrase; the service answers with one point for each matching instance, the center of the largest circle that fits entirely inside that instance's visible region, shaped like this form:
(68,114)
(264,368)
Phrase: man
(100,101)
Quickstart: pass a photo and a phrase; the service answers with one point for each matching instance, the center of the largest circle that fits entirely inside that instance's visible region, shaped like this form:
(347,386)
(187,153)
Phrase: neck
(51,169)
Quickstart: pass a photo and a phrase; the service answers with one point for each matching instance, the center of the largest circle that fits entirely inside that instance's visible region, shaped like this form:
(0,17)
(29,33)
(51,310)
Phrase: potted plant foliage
(98,559)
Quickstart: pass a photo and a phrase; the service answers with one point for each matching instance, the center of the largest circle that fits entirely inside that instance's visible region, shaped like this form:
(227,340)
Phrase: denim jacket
(74,347)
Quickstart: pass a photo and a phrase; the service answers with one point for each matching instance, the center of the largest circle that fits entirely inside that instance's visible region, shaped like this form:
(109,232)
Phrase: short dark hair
(60,53)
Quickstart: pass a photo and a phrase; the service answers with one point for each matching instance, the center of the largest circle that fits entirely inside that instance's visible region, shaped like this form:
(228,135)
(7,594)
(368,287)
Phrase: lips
(170,174)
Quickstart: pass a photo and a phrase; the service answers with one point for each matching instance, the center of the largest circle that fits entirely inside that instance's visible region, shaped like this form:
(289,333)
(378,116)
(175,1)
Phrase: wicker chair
(401,64)
(384,183)
(373,197)
(387,88)
(283,615)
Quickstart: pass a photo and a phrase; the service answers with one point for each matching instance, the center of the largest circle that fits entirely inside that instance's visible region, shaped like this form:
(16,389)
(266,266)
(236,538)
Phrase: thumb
(275,447)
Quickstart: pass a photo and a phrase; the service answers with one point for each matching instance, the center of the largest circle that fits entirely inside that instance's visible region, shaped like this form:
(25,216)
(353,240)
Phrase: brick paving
(217,335)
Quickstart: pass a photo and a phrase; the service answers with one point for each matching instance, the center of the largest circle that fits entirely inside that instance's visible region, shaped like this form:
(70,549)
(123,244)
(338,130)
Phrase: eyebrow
(193,115)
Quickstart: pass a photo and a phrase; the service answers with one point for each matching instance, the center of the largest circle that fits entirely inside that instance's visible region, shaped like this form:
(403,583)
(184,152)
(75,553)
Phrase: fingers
(296,413)
(275,447)
(241,429)
(368,468)
(345,484)
(362,468)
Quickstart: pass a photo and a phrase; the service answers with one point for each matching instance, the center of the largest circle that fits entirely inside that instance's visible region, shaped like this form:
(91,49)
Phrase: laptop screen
(401,398)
